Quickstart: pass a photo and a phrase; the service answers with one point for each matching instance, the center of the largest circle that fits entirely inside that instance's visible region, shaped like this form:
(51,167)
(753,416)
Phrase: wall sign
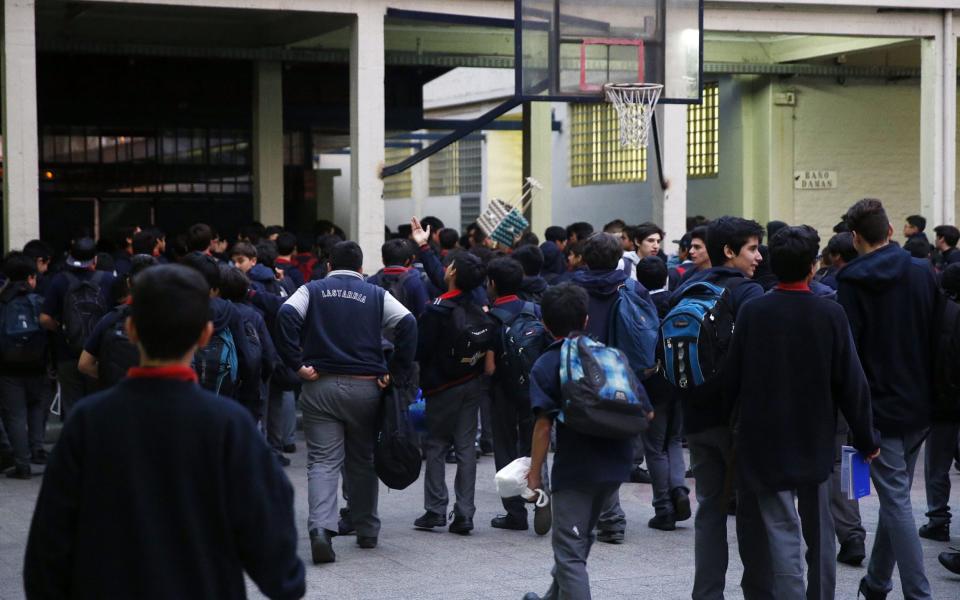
(815,180)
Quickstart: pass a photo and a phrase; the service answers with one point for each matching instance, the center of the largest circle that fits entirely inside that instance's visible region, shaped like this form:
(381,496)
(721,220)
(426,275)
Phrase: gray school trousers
(786,531)
(937,460)
(339,423)
(575,515)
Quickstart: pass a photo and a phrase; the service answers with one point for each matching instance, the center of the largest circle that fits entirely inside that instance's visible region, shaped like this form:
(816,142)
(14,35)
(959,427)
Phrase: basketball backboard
(567,49)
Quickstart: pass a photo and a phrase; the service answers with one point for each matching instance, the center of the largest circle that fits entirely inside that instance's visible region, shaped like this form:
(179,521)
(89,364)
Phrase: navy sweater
(602,288)
(226,316)
(415,292)
(159,489)
(792,363)
(706,407)
(434,337)
(889,299)
(336,324)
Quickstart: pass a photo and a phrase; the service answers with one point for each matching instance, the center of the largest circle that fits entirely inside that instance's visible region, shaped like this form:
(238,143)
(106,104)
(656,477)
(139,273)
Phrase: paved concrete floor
(410,564)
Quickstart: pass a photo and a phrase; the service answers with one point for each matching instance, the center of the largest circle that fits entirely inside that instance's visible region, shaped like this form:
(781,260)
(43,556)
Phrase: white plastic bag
(512,481)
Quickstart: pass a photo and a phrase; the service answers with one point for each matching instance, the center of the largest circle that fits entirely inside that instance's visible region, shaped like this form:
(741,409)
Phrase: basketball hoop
(634,103)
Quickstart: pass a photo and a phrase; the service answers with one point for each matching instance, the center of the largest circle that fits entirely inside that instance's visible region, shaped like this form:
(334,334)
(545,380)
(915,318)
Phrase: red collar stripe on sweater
(450,295)
(505,299)
(395,270)
(176,372)
(798,286)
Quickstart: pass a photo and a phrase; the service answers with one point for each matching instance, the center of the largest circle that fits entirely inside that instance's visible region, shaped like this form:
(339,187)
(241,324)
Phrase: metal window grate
(457,169)
(703,134)
(596,155)
(400,185)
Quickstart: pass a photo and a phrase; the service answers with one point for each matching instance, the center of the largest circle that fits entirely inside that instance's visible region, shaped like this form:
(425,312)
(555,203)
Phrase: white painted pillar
(541,165)
(268,142)
(949,120)
(938,124)
(367,123)
(18,97)
(420,186)
(670,205)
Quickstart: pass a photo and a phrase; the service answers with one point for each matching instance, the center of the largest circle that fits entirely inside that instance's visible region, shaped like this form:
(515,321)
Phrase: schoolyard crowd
(178,363)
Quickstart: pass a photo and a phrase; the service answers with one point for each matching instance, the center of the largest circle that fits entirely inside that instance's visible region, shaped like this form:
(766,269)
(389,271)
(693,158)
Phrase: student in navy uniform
(946,243)
(42,253)
(840,251)
(136,505)
(554,260)
(531,259)
(602,281)
(889,299)
(397,255)
(433,267)
(330,333)
(587,471)
(452,404)
(733,246)
(286,248)
(25,388)
(792,365)
(914,228)
(262,279)
(81,266)
(684,262)
(662,442)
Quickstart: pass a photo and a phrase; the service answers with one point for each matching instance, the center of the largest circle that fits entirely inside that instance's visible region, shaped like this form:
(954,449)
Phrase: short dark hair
(305,243)
(37,249)
(139,263)
(204,264)
(470,271)
(917,221)
(395,252)
(615,226)
(773,227)
(253,232)
(528,238)
(144,243)
(842,245)
(581,229)
(602,252)
(699,233)
(346,256)
(869,220)
(949,233)
(555,233)
(17,266)
(645,230)
(170,308)
(917,247)
(696,221)
(506,274)
(793,250)
(233,284)
(286,243)
(433,223)
(272,229)
(449,238)
(266,253)
(652,273)
(734,232)
(243,249)
(530,258)
(950,280)
(199,237)
(564,309)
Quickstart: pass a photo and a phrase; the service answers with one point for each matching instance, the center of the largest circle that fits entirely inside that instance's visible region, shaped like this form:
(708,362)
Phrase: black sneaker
(542,518)
(869,594)
(451,458)
(610,537)
(662,522)
(367,543)
(681,504)
(509,522)
(283,460)
(6,461)
(321,546)
(39,457)
(852,553)
(19,473)
(429,520)
(531,596)
(937,533)
(289,448)
(345,525)
(486,447)
(461,525)
(950,561)
(639,475)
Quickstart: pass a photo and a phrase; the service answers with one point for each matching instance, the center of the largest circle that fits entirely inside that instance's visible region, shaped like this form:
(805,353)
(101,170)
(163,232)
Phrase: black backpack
(523,340)
(946,360)
(470,336)
(83,307)
(396,284)
(217,364)
(396,452)
(254,346)
(22,340)
(117,353)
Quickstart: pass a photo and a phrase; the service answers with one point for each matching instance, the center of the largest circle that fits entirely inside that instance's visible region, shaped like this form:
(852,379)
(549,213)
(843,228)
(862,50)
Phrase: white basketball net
(634,103)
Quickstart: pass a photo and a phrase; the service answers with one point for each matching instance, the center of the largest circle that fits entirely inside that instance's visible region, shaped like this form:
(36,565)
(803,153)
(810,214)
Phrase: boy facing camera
(158,488)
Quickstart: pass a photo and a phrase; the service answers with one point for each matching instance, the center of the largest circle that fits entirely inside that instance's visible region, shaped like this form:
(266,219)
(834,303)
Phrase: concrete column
(268,142)
(420,187)
(670,205)
(18,97)
(538,162)
(938,124)
(367,123)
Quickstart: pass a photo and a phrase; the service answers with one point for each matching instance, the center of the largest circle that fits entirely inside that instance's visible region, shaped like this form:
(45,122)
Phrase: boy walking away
(136,505)
(663,446)
(792,365)
(400,278)
(554,261)
(76,300)
(889,298)
(455,337)
(533,286)
(286,247)
(24,386)
(330,333)
(587,469)
(733,246)
(520,339)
